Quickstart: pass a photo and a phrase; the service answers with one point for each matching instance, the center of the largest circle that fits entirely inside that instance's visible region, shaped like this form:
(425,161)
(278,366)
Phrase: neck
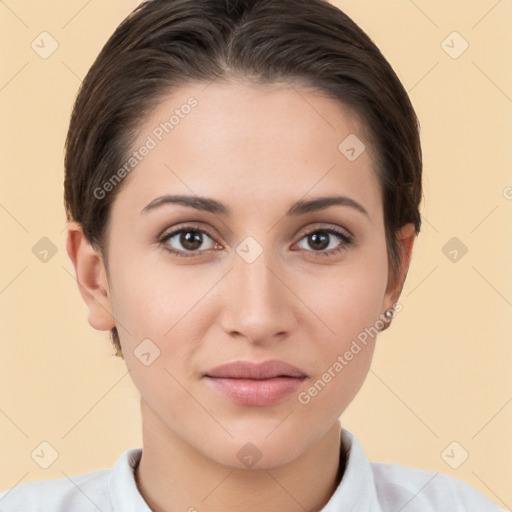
(173,476)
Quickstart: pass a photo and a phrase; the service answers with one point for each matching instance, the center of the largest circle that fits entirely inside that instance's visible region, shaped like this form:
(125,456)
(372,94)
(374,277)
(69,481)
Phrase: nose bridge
(259,304)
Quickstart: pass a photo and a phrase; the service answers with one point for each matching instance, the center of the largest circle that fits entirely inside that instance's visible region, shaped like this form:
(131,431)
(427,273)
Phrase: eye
(192,241)
(325,241)
(188,239)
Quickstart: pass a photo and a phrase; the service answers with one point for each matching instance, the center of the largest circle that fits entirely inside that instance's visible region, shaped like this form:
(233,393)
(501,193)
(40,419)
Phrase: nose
(258,304)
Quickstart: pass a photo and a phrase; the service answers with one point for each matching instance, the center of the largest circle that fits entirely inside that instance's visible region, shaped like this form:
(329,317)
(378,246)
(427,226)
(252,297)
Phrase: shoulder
(426,491)
(82,493)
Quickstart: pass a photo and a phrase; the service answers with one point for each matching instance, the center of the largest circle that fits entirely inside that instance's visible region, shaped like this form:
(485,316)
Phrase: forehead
(247,145)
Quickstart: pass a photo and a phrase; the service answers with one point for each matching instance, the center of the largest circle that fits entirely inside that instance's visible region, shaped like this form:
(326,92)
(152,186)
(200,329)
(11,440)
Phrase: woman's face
(259,278)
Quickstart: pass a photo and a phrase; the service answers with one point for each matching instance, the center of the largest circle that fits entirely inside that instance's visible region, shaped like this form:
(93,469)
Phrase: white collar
(356,490)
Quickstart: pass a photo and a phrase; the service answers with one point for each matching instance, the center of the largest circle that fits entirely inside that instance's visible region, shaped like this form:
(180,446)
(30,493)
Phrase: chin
(258,452)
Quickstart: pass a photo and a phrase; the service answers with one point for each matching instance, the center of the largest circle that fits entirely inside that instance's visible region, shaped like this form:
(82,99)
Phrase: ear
(405,238)
(91,277)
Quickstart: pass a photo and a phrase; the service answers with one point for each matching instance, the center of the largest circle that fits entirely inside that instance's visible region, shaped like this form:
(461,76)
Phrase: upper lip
(250,370)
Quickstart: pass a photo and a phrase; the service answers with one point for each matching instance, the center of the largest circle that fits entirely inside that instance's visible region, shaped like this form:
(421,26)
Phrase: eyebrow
(216,207)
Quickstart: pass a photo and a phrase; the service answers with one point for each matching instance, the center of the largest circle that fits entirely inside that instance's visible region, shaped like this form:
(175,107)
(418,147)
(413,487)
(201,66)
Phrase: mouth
(256,384)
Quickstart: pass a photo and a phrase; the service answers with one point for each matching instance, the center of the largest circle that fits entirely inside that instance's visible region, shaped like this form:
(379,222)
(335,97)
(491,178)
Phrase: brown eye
(319,240)
(325,240)
(189,240)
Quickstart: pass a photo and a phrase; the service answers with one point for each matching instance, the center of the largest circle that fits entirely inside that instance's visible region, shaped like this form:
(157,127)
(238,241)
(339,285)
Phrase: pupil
(319,241)
(191,240)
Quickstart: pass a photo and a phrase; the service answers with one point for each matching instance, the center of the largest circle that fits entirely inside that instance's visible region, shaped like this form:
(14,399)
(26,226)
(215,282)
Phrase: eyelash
(347,241)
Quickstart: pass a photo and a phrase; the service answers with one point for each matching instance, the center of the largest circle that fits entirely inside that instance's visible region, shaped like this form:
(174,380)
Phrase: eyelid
(182,226)
(300,234)
(345,237)
(346,242)
(319,226)
(164,238)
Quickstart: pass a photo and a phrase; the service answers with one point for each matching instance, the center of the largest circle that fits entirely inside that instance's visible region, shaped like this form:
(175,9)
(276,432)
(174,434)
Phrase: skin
(257,149)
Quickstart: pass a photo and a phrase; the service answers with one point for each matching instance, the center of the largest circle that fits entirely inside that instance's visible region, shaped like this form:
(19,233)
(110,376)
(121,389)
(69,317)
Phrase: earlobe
(91,277)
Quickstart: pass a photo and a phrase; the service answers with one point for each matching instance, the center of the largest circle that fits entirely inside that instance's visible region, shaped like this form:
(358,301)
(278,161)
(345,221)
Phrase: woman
(243,181)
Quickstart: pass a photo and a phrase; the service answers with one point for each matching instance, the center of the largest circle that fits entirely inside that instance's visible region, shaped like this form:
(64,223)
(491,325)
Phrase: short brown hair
(165,44)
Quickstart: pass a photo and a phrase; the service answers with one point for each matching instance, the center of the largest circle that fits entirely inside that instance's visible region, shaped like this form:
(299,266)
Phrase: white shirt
(365,487)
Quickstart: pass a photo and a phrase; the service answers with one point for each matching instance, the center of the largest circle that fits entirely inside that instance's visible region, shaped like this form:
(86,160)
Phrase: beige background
(442,373)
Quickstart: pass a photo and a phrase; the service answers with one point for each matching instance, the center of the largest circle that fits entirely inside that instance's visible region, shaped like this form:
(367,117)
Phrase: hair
(166,44)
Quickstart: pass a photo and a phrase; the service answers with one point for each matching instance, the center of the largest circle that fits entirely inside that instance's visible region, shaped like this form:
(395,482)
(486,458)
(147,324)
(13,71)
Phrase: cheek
(152,299)
(347,298)
(349,304)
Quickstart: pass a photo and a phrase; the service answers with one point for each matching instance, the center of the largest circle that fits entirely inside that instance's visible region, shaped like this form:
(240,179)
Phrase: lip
(256,384)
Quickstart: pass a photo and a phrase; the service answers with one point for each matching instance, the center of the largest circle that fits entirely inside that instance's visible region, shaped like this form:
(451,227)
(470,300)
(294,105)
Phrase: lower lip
(256,392)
